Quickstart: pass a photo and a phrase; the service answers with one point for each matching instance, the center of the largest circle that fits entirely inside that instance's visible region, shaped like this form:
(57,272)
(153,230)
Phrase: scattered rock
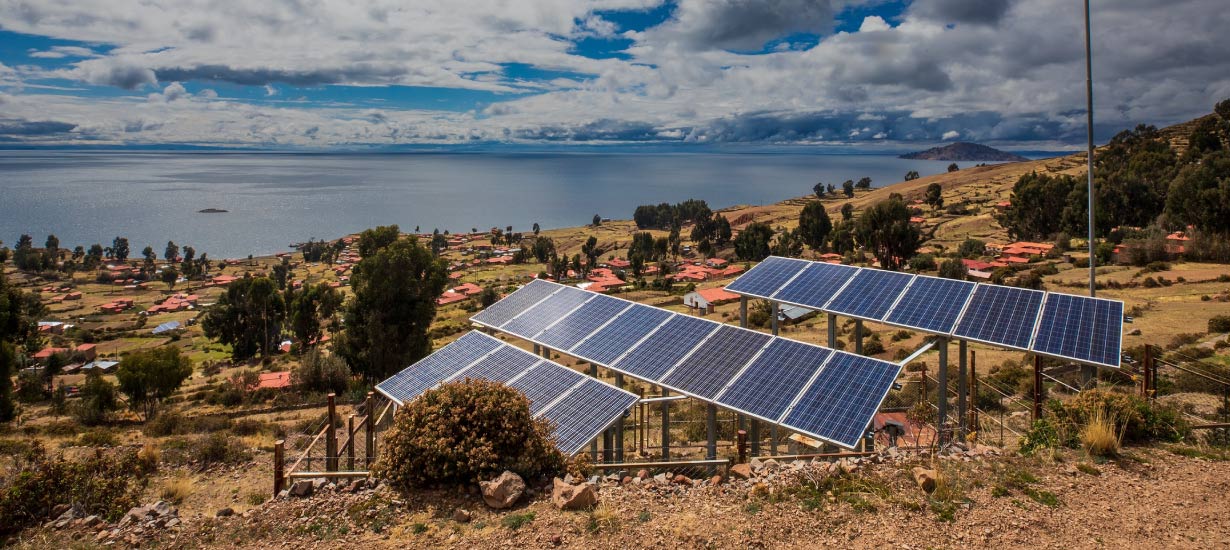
(358,485)
(566,496)
(660,478)
(503,491)
(225,513)
(681,479)
(715,480)
(925,478)
(462,516)
(302,488)
(58,510)
(627,480)
(642,474)
(741,471)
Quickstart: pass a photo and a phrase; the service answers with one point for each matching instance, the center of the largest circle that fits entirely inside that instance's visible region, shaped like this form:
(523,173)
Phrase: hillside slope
(965,151)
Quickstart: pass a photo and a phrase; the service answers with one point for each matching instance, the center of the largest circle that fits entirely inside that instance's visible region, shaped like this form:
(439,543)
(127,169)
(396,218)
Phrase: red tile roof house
(90,351)
(274,380)
(619,264)
(705,300)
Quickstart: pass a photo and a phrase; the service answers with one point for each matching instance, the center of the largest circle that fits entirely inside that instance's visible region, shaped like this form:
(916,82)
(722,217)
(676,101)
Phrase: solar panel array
(578,407)
(1089,330)
(740,369)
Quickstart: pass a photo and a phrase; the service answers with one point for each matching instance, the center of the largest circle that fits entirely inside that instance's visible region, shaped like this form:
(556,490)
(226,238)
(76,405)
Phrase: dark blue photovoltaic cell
(768,276)
(500,366)
(870,294)
(773,380)
(1081,328)
(560,304)
(931,304)
(658,353)
(585,412)
(512,305)
(1001,315)
(817,285)
(710,368)
(544,383)
(585,320)
(435,368)
(606,345)
(839,405)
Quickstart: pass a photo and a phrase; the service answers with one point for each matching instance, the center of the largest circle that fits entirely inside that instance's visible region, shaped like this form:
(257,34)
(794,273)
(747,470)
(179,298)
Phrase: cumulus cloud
(994,70)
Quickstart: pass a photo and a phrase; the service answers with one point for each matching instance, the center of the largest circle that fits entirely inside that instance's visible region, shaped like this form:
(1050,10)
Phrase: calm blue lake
(275,199)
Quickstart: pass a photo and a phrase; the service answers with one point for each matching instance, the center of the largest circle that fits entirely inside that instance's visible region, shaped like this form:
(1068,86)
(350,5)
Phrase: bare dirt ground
(1147,498)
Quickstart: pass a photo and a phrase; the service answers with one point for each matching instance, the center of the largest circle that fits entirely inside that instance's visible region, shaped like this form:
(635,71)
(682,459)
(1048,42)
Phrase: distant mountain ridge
(965,151)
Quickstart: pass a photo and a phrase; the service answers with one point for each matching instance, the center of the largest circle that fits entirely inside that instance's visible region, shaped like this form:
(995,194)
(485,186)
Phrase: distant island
(211,211)
(965,151)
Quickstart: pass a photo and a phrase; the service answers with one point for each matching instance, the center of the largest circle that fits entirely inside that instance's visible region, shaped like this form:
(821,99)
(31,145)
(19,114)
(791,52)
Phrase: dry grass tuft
(603,518)
(1099,436)
(176,490)
(150,455)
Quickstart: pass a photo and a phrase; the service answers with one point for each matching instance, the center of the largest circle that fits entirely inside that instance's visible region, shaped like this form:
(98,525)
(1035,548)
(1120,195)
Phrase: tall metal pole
(1089,374)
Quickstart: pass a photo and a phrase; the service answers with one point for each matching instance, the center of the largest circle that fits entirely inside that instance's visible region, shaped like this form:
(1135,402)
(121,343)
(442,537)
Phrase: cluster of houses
(117,305)
(178,302)
(458,293)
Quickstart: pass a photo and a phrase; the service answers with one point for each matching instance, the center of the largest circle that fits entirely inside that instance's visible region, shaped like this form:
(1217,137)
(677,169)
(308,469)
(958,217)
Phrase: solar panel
(1081,328)
(817,285)
(544,383)
(606,345)
(842,400)
(710,368)
(772,381)
(658,353)
(585,412)
(1001,315)
(931,304)
(768,276)
(435,368)
(501,366)
(529,324)
(514,304)
(869,294)
(582,322)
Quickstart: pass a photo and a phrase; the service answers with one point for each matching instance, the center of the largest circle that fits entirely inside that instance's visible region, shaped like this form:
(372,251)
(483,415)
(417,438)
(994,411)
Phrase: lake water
(275,199)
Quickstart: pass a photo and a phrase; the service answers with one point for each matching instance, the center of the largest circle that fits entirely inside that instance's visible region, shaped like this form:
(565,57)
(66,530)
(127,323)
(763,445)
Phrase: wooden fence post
(279,466)
(331,436)
(350,443)
(370,425)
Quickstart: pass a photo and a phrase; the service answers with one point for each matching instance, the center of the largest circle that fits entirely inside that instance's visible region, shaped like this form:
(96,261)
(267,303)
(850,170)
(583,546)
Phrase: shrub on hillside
(1137,420)
(464,432)
(322,373)
(105,484)
(1220,323)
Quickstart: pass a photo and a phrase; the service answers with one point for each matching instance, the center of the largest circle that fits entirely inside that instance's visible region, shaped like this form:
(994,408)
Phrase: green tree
(97,400)
(169,276)
(911,175)
(309,308)
(119,248)
(376,239)
(847,212)
(536,229)
(847,187)
(886,230)
(723,230)
(248,317)
(395,291)
(815,225)
(954,268)
(544,249)
(788,244)
(281,273)
(1043,205)
(94,257)
(596,222)
(842,240)
(24,255)
(51,252)
(935,196)
(148,257)
(171,252)
(19,313)
(752,244)
(1200,195)
(148,377)
(818,189)
(972,248)
(322,373)
(487,297)
(863,183)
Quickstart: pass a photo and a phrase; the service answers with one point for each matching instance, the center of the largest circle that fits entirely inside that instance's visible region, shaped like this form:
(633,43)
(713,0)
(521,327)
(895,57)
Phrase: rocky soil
(1147,498)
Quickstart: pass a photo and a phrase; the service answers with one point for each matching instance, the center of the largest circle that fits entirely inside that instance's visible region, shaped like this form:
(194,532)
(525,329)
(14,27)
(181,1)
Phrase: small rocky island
(965,151)
(211,211)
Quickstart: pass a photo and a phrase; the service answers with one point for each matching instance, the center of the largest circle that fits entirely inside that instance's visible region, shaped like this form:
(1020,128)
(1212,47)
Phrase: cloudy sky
(347,73)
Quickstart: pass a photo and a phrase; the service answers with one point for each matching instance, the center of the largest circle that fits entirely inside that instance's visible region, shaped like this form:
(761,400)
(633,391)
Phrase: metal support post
(774,313)
(773,440)
(755,437)
(279,466)
(974,422)
(537,349)
(1037,413)
(858,336)
(370,428)
(593,445)
(962,390)
(666,426)
(619,424)
(743,311)
(742,445)
(711,428)
(350,443)
(832,326)
(941,390)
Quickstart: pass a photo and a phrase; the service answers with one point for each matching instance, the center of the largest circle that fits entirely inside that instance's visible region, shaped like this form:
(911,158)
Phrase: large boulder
(741,471)
(566,496)
(302,488)
(503,491)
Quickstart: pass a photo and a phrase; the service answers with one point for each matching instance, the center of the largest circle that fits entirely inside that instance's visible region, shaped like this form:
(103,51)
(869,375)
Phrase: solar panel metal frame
(618,364)
(1041,317)
(747,368)
(816,377)
(973,287)
(575,350)
(787,282)
(776,296)
(1033,329)
(629,397)
(739,368)
(565,300)
(849,287)
(514,351)
(547,368)
(387,391)
(476,316)
(596,302)
(672,315)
